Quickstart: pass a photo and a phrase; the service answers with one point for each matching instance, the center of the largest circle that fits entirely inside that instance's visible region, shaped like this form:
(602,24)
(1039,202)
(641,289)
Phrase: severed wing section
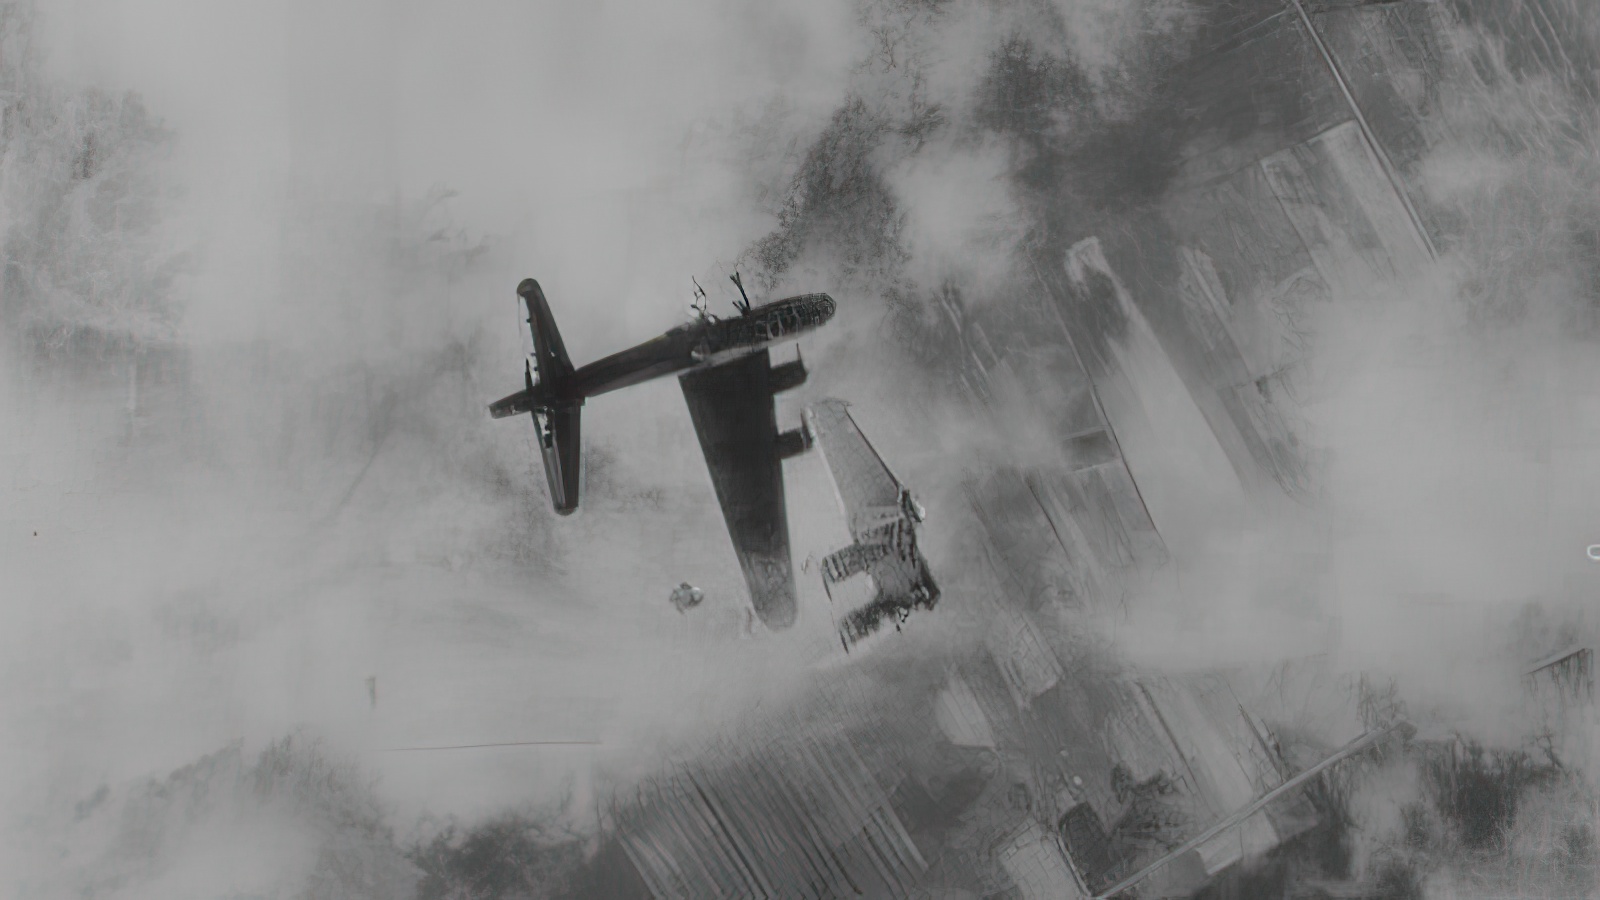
(882,518)
(868,490)
(732,408)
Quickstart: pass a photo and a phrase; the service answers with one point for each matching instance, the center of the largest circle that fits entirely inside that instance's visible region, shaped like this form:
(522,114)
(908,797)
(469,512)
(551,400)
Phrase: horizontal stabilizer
(555,416)
(550,361)
(562,449)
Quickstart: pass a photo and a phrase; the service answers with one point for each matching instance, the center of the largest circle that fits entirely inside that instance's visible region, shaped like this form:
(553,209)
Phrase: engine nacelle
(794,442)
(786,376)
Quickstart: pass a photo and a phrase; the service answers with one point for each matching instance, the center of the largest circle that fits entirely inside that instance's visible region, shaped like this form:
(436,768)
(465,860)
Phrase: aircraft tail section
(556,413)
(548,370)
(556,417)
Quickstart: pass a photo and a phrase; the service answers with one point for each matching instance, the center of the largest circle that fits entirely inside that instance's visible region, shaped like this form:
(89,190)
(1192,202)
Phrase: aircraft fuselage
(702,343)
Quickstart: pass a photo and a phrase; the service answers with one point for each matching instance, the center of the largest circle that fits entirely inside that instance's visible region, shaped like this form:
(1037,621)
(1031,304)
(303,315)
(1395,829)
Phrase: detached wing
(885,546)
(734,417)
(867,489)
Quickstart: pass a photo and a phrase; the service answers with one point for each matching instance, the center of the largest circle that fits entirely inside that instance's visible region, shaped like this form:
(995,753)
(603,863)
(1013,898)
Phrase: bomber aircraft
(728,381)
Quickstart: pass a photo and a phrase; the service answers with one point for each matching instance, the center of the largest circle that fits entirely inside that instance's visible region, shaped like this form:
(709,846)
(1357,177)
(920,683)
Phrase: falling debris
(883,520)
(686,597)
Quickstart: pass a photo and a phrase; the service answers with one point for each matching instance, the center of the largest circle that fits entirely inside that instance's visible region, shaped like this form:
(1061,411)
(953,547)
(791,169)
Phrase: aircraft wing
(734,417)
(868,490)
(876,507)
(900,577)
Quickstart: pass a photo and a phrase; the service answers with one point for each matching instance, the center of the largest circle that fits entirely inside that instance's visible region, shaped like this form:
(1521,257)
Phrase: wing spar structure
(883,520)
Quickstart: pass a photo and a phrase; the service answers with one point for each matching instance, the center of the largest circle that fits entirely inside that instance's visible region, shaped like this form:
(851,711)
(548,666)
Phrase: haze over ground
(247,585)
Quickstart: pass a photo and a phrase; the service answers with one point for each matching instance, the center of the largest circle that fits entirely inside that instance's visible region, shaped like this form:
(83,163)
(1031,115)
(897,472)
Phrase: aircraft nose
(827,307)
(528,288)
